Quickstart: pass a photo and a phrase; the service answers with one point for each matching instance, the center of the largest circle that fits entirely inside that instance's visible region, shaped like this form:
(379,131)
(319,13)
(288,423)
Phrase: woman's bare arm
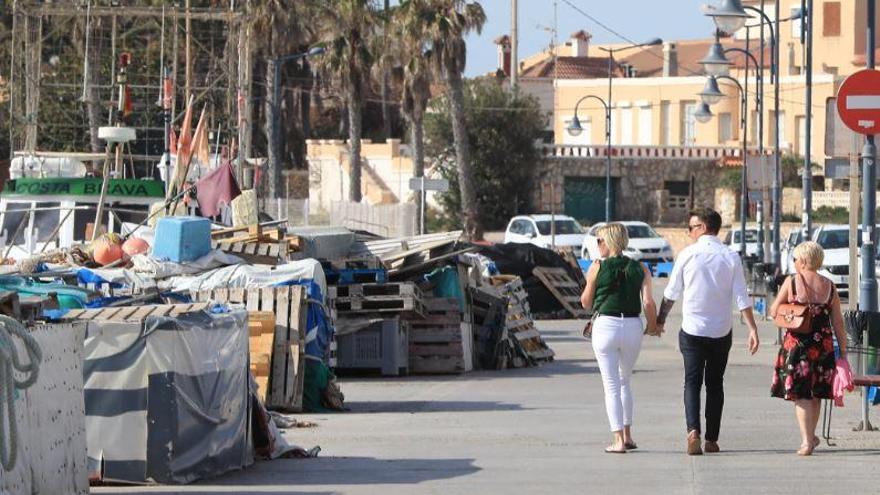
(648,303)
(782,297)
(590,290)
(837,324)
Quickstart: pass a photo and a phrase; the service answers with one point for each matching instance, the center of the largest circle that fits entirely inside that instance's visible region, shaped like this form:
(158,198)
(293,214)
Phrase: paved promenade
(542,430)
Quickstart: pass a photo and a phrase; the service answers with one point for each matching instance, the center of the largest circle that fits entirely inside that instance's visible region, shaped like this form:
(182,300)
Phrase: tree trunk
(418,147)
(469,206)
(273,175)
(354,146)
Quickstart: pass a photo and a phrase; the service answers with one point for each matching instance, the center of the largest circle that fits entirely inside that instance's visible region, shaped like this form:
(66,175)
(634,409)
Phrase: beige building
(655,88)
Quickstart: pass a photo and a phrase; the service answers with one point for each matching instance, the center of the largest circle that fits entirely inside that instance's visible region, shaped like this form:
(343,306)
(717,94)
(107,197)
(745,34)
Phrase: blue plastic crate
(180,239)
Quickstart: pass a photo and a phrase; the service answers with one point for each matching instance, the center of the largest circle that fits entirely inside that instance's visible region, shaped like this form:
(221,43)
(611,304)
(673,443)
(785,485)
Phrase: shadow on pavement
(429,406)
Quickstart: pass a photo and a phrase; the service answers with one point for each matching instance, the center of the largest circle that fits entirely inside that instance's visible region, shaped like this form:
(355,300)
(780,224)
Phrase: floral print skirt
(805,365)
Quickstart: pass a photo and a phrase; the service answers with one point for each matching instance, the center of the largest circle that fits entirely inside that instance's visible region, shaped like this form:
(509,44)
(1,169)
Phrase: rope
(9,363)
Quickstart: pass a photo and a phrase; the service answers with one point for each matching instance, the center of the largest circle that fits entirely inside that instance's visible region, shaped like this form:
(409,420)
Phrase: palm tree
(414,77)
(448,24)
(350,31)
(280,27)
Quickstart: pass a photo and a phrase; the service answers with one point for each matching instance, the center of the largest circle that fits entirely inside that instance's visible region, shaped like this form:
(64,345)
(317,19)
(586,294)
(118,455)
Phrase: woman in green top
(618,288)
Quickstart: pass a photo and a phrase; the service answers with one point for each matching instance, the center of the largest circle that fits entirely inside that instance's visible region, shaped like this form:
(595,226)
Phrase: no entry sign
(858,102)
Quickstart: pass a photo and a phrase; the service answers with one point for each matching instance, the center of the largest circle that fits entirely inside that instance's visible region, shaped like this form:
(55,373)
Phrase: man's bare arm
(665,308)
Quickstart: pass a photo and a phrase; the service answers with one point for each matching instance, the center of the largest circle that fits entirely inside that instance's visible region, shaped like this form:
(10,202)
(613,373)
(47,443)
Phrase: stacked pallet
(261,325)
(398,298)
(354,271)
(288,305)
(489,316)
(566,290)
(258,243)
(440,342)
(526,345)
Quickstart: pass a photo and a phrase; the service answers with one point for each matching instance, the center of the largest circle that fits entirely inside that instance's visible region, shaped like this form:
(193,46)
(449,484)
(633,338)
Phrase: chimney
(504,54)
(580,44)
(670,60)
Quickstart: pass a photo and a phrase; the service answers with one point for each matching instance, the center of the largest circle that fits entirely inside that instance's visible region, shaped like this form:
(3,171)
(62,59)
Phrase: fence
(391,220)
(296,211)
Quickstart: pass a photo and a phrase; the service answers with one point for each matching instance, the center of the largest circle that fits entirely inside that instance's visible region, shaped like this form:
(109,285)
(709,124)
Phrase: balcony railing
(646,152)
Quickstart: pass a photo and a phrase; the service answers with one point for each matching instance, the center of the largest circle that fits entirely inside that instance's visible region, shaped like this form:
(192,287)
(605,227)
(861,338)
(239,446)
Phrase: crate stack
(261,325)
(525,340)
(371,323)
(440,342)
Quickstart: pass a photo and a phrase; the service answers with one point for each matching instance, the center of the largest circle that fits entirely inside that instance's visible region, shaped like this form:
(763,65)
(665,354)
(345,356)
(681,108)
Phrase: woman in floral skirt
(805,366)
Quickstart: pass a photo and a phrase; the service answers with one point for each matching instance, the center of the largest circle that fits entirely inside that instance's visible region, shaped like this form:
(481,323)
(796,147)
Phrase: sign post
(858,104)
(424,185)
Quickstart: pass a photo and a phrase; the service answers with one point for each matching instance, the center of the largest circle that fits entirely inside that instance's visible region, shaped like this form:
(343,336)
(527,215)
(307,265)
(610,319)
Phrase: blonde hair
(614,236)
(810,253)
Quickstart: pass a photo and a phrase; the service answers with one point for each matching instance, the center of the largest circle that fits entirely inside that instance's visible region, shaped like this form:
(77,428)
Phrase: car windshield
(641,232)
(563,227)
(751,236)
(834,239)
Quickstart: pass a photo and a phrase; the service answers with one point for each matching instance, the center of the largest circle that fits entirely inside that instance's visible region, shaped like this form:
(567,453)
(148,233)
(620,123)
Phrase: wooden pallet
(261,327)
(404,298)
(133,314)
(370,290)
(440,342)
(267,253)
(289,304)
(563,288)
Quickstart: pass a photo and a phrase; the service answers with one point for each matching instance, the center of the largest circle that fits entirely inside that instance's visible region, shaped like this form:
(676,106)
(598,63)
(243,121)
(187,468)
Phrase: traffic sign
(858,101)
(441,185)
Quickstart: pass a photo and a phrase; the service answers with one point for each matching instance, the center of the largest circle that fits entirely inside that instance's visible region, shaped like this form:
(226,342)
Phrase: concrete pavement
(542,430)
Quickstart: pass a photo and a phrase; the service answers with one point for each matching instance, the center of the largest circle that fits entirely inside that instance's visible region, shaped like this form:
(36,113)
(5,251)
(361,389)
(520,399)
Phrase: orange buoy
(135,245)
(107,251)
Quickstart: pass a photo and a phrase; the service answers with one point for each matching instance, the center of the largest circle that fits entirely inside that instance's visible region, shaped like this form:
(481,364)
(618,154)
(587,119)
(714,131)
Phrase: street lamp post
(729,17)
(276,114)
(574,128)
(710,95)
(611,52)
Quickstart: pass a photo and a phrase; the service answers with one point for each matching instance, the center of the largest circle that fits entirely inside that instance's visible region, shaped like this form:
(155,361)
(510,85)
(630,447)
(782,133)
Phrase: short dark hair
(710,218)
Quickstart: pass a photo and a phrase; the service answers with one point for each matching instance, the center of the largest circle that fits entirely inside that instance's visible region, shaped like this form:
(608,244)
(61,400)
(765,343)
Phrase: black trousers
(704,357)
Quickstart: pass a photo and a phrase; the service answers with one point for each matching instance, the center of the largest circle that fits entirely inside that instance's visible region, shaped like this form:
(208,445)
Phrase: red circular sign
(858,102)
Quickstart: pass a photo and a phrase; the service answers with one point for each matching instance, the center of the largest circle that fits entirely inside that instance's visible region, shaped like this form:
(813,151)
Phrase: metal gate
(585,198)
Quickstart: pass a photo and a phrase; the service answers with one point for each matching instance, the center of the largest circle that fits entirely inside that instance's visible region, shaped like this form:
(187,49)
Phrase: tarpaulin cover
(167,399)
(250,277)
(520,260)
(446,284)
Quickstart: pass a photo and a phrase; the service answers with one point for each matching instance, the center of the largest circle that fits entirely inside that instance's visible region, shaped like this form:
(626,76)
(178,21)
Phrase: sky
(638,20)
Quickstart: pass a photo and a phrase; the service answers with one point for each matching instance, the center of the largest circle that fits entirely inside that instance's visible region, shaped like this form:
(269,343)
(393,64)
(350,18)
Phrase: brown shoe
(711,447)
(693,443)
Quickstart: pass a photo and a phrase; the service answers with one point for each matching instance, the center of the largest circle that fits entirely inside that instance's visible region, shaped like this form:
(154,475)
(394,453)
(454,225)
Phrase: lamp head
(711,93)
(729,15)
(715,63)
(574,127)
(703,113)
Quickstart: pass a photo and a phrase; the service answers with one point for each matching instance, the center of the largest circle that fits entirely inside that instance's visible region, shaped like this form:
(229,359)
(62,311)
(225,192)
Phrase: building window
(725,127)
(646,137)
(626,126)
(665,124)
(801,124)
(688,123)
(796,23)
(753,130)
(772,128)
(679,193)
(615,126)
(831,19)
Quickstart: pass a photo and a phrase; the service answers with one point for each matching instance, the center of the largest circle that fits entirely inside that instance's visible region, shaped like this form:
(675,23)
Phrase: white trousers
(616,344)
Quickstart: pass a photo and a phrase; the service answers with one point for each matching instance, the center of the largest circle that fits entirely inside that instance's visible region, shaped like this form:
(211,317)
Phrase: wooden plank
(263,249)
(550,278)
(450,349)
(436,365)
(299,300)
(528,334)
(236,295)
(253,299)
(250,249)
(221,295)
(278,378)
(204,295)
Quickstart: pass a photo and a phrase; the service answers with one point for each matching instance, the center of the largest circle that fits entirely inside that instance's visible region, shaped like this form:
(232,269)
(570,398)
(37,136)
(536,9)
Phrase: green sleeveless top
(618,286)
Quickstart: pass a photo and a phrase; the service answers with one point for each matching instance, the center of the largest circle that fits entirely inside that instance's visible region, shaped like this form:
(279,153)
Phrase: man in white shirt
(706,277)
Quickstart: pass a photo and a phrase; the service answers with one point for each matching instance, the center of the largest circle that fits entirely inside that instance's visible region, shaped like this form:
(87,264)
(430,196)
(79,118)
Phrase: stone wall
(641,193)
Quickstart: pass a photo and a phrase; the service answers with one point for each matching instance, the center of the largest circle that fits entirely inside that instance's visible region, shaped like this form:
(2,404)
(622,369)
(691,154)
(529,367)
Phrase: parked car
(536,229)
(834,239)
(645,244)
(795,237)
(733,239)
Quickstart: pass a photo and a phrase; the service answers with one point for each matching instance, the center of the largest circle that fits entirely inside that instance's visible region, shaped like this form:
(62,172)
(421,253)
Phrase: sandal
(630,446)
(611,450)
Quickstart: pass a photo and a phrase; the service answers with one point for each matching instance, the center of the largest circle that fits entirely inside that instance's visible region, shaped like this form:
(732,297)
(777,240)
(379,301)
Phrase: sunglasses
(692,227)
(600,241)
